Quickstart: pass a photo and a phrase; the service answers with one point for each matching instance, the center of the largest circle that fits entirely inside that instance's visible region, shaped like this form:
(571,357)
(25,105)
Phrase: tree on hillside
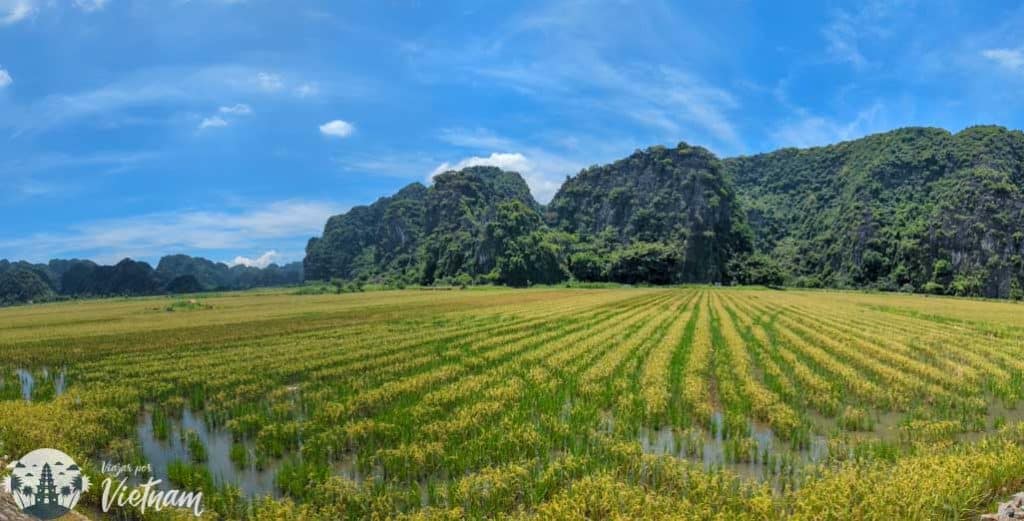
(20,285)
(754,269)
(184,284)
(645,262)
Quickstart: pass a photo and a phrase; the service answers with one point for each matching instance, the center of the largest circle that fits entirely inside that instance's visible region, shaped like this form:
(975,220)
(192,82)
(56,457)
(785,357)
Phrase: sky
(232,129)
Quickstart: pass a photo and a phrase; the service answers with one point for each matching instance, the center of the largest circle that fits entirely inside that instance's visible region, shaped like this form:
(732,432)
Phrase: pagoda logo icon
(45,483)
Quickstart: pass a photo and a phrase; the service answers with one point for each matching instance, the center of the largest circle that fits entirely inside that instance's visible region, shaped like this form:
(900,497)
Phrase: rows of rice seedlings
(513,354)
(927,361)
(817,382)
(899,386)
(761,402)
(530,403)
(655,380)
(974,360)
(777,401)
(623,393)
(696,398)
(252,382)
(980,358)
(466,410)
(960,393)
(506,429)
(814,388)
(928,395)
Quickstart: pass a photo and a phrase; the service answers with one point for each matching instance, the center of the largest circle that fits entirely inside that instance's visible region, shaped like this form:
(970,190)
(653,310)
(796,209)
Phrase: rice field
(691,402)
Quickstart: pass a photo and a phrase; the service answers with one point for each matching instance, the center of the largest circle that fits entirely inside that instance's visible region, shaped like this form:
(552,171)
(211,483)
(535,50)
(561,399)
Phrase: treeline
(913,210)
(22,282)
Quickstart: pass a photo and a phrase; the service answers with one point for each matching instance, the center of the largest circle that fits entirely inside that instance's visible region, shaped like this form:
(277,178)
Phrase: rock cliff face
(916,209)
(421,234)
(379,237)
(677,197)
(460,208)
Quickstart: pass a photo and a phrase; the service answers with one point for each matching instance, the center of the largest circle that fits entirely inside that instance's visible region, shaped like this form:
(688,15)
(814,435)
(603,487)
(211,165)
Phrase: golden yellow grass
(529,403)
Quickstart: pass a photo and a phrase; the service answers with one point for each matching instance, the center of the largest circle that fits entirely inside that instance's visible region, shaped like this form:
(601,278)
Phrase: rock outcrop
(1008,511)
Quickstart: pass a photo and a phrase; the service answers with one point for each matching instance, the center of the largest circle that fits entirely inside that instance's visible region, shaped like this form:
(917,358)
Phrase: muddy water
(711,451)
(30,379)
(251,481)
(772,458)
(160,453)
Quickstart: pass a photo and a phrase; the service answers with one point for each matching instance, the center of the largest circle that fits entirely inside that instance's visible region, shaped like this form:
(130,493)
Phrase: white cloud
(849,32)
(542,167)
(259,262)
(91,5)
(108,162)
(5,78)
(14,11)
(664,98)
(307,90)
(159,233)
(842,35)
(474,138)
(58,173)
(541,174)
(240,109)
(512,162)
(164,89)
(337,128)
(1012,59)
(213,122)
(216,121)
(813,130)
(155,96)
(269,82)
(567,55)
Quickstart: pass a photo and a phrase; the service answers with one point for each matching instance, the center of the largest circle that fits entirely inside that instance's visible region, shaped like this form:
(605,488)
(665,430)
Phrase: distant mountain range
(914,209)
(22,282)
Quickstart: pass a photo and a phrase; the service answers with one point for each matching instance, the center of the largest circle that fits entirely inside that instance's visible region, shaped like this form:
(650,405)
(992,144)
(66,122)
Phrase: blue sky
(233,128)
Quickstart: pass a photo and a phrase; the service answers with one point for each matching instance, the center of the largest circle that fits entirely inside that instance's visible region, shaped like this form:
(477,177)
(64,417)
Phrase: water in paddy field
(713,451)
(773,455)
(348,468)
(29,379)
(160,453)
(252,481)
(27,383)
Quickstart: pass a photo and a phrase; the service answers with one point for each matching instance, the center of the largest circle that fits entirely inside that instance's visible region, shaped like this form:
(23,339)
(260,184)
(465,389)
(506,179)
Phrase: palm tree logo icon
(45,483)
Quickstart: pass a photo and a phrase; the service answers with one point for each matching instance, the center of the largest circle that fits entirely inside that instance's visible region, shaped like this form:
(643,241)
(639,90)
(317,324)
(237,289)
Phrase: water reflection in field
(252,481)
(759,456)
(41,384)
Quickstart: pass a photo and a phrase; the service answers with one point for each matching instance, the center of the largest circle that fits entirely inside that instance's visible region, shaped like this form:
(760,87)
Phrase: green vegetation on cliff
(915,209)
(476,225)
(22,282)
(662,215)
